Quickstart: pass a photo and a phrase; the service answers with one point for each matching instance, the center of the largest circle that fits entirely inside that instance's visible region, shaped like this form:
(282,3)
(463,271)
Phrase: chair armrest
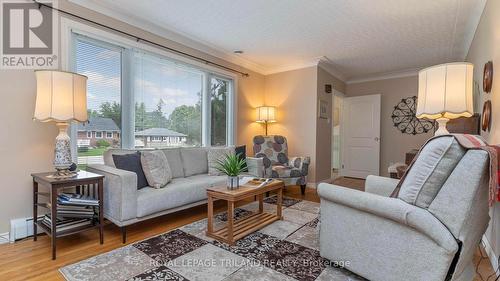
(301,163)
(120,192)
(255,166)
(392,209)
(380,185)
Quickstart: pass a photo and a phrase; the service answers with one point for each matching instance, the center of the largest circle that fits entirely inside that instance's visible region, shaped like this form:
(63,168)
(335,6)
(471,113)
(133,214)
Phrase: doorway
(360,137)
(337,105)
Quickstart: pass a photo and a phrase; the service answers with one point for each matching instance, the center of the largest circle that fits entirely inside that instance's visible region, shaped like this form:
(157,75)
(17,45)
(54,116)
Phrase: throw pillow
(430,171)
(215,154)
(156,168)
(241,151)
(131,162)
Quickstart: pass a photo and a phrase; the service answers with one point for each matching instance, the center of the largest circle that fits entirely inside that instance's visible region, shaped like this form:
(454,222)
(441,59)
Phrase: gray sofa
(430,236)
(124,204)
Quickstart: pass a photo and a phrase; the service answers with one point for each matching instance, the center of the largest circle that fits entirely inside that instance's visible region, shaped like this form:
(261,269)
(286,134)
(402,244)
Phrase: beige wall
(485,47)
(324,126)
(27,146)
(393,144)
(295,93)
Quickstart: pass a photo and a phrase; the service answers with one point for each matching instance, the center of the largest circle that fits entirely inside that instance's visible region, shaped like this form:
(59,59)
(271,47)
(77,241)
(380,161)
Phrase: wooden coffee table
(235,230)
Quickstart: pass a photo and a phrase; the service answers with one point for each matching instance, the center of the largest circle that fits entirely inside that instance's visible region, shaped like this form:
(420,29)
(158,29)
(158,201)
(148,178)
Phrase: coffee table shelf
(245,226)
(238,229)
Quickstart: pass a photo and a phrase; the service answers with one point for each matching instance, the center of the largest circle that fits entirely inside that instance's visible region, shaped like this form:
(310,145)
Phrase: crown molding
(174,36)
(385,76)
(328,67)
(472,28)
(294,66)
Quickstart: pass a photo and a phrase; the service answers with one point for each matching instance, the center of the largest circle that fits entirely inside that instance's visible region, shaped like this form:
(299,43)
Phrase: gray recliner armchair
(429,232)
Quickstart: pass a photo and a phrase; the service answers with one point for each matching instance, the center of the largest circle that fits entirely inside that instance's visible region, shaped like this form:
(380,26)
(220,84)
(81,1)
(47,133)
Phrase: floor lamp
(266,115)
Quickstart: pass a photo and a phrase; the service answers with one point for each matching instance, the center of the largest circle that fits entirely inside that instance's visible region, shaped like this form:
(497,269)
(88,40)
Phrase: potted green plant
(232,166)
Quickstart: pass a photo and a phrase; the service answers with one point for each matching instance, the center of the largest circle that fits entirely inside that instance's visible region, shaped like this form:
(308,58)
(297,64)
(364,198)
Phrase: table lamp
(445,92)
(61,97)
(266,114)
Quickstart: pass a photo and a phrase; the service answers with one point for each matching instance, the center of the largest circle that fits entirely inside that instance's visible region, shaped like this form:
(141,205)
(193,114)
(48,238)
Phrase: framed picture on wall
(323,109)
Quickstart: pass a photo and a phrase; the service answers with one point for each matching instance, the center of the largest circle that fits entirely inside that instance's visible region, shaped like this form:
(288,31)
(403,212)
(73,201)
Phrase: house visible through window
(165,102)
(101,63)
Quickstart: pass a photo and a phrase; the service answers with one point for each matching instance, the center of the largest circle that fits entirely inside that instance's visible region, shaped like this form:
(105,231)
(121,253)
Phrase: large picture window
(102,65)
(168,101)
(140,99)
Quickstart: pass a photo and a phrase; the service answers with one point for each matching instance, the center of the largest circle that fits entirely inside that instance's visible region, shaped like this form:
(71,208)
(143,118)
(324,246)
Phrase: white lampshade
(445,91)
(266,114)
(60,96)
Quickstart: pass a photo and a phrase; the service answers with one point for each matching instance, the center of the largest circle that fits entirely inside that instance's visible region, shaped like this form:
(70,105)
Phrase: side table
(85,182)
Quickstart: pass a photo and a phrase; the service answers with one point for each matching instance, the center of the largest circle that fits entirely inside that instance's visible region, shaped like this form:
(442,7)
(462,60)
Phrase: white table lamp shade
(266,114)
(445,91)
(60,96)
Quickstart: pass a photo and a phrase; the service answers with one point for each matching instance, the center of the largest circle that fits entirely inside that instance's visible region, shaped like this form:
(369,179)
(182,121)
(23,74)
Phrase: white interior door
(361,136)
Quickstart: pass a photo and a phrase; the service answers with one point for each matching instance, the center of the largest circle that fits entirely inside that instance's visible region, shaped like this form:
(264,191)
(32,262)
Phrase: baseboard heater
(22,228)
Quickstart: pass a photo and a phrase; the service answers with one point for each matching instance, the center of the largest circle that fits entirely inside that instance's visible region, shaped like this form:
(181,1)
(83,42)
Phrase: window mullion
(128,105)
(205,111)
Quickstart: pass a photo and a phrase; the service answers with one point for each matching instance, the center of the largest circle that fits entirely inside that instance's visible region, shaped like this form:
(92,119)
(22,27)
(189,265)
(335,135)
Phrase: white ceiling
(359,38)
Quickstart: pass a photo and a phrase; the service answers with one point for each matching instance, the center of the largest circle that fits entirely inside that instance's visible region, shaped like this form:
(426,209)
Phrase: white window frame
(97,137)
(109,132)
(89,134)
(70,27)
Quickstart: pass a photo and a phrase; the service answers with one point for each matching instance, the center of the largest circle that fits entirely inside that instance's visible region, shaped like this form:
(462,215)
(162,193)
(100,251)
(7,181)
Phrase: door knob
(376,138)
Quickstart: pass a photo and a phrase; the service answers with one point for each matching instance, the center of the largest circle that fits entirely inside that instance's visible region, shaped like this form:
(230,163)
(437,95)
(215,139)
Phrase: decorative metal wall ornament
(404,119)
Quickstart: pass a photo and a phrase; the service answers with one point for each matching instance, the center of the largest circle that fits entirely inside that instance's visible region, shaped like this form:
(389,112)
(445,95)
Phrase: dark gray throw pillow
(241,151)
(131,162)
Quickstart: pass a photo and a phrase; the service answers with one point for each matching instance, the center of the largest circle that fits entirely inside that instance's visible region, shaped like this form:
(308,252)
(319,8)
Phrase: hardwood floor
(29,260)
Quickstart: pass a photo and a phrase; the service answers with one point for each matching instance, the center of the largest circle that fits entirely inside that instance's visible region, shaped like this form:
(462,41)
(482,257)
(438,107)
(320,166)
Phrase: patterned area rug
(284,250)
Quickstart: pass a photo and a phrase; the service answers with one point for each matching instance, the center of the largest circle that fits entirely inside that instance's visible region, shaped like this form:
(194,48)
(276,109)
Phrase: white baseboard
(490,253)
(4,238)
(311,185)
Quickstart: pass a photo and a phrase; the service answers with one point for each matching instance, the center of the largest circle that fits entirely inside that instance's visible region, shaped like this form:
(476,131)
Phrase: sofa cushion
(179,192)
(431,169)
(194,161)
(174,161)
(156,168)
(211,180)
(216,154)
(108,155)
(131,162)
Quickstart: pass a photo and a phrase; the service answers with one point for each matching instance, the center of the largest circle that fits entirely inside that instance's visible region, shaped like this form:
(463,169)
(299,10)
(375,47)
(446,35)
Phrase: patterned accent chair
(274,152)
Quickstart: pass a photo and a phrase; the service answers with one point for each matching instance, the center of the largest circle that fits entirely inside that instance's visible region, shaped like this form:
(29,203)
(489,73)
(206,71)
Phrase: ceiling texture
(356,39)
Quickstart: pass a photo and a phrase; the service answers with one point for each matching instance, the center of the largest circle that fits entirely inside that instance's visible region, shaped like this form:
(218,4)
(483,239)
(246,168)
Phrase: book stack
(74,211)
(76,199)
(63,224)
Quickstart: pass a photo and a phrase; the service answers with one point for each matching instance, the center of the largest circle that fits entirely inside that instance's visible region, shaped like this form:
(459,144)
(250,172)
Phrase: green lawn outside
(93,152)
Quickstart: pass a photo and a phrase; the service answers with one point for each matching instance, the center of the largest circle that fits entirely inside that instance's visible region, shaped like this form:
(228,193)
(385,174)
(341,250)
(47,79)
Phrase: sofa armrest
(120,192)
(392,209)
(380,185)
(255,166)
(301,163)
